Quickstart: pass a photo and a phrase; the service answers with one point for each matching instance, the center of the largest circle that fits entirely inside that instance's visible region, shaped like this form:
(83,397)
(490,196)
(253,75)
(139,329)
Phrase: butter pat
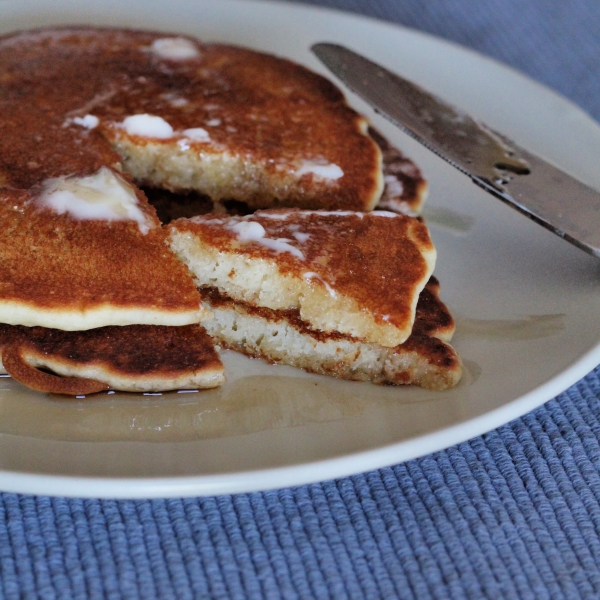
(89,121)
(149,126)
(197,134)
(101,196)
(176,48)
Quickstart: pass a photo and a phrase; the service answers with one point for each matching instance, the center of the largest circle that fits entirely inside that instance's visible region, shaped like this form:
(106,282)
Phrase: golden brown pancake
(356,273)
(133,358)
(432,317)
(68,273)
(282,336)
(175,113)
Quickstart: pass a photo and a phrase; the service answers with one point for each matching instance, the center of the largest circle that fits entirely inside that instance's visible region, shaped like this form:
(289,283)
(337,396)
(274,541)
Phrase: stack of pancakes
(96,293)
(341,293)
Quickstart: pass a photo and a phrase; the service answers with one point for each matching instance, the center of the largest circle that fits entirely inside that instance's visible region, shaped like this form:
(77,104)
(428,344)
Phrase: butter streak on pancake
(405,189)
(355,273)
(224,121)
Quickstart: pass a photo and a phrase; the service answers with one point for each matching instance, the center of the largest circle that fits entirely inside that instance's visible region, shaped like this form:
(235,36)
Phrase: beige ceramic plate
(527,303)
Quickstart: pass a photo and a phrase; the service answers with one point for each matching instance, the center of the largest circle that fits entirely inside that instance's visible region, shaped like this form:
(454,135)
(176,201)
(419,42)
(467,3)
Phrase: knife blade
(527,182)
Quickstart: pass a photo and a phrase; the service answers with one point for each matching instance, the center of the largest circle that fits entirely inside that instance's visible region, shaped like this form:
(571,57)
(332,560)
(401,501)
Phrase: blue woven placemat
(512,514)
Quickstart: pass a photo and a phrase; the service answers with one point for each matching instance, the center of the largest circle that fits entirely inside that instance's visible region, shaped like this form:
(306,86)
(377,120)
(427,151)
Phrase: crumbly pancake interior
(281,336)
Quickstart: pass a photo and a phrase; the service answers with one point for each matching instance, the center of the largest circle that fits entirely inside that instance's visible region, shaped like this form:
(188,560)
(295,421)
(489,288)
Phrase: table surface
(514,513)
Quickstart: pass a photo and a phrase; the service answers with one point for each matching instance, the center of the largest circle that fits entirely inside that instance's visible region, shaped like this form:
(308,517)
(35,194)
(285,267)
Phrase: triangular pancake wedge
(65,269)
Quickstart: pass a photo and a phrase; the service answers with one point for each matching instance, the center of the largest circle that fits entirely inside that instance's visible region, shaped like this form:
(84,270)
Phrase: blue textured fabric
(511,514)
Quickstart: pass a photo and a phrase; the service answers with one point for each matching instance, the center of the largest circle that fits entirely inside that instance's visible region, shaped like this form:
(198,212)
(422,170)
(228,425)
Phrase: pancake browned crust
(432,317)
(356,273)
(166,111)
(245,125)
(133,358)
(281,336)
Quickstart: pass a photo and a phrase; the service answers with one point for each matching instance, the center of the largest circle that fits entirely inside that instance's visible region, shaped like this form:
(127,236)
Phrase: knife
(525,181)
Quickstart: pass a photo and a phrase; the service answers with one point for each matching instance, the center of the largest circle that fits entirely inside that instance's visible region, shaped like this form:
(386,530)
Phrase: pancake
(354,273)
(133,358)
(432,317)
(281,336)
(65,269)
(177,114)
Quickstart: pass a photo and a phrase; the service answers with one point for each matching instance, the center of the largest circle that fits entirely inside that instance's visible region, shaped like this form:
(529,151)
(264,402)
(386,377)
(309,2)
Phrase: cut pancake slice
(81,253)
(355,273)
(282,337)
(432,317)
(133,358)
(405,191)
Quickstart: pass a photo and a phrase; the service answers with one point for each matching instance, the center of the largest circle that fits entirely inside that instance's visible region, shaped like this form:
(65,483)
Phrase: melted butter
(101,196)
(176,48)
(282,216)
(251,231)
(257,397)
(312,275)
(282,245)
(174,99)
(88,122)
(301,237)
(393,185)
(248,231)
(528,328)
(197,134)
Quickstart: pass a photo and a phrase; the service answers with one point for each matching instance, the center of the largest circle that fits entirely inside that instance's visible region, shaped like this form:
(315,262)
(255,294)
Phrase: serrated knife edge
(525,181)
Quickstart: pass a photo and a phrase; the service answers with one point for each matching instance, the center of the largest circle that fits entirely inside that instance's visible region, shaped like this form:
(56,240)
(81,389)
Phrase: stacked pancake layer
(137,358)
(356,273)
(66,272)
(281,336)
